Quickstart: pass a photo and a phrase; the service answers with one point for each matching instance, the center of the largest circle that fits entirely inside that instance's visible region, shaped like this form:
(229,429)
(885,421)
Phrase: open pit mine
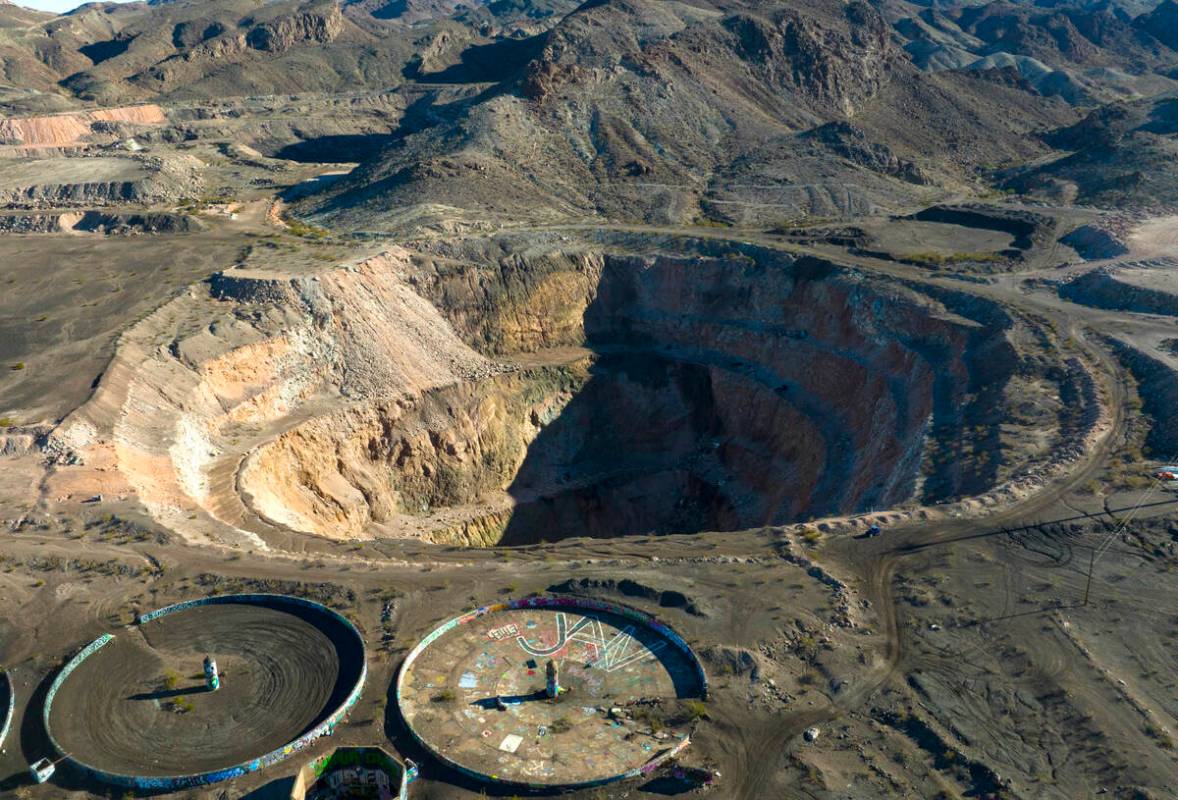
(621,399)
(509,392)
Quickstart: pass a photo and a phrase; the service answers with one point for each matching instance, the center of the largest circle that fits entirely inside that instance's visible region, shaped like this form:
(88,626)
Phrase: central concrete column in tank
(212,679)
(553,673)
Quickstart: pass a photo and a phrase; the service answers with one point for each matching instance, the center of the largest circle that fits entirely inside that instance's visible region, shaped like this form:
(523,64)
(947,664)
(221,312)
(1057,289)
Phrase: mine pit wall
(972,399)
(824,387)
(798,341)
(172,412)
(357,331)
(787,388)
(335,475)
(519,303)
(379,337)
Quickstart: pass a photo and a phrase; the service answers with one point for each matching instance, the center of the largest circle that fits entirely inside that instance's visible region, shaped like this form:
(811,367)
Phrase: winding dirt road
(874,563)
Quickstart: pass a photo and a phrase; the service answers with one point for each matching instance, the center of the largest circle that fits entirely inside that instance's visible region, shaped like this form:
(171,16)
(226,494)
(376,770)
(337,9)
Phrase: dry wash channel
(512,390)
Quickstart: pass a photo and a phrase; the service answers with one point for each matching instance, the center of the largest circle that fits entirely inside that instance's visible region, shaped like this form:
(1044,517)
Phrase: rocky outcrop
(1161,23)
(309,27)
(98,222)
(823,62)
(839,62)
(847,141)
(628,104)
(310,24)
(1094,242)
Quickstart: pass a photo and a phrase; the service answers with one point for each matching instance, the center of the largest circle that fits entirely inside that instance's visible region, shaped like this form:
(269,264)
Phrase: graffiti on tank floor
(618,651)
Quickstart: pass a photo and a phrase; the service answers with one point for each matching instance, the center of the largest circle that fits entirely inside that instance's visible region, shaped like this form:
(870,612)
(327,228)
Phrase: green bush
(305,230)
(948,259)
(696,709)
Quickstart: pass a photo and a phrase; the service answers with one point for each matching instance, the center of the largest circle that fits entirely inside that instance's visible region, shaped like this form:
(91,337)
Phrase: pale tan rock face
(395,463)
(64,130)
(195,385)
(634,393)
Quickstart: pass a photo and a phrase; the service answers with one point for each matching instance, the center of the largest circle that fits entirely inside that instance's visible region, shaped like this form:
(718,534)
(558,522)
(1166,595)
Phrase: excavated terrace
(514,390)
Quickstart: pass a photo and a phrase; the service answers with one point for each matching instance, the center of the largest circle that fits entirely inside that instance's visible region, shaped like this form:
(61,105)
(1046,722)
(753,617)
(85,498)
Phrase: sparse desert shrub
(948,259)
(171,679)
(306,230)
(1160,735)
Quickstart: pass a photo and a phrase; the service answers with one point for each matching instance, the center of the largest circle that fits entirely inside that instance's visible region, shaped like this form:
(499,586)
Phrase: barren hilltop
(789,387)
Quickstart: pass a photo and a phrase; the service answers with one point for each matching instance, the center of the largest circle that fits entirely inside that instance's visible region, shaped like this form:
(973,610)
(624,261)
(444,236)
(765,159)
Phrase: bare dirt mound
(65,130)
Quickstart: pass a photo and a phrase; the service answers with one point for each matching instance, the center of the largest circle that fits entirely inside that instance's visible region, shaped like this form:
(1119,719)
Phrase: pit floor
(278,672)
(449,695)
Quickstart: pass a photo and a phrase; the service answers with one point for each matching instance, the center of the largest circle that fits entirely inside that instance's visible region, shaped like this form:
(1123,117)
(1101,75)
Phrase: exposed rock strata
(64,130)
(640,389)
